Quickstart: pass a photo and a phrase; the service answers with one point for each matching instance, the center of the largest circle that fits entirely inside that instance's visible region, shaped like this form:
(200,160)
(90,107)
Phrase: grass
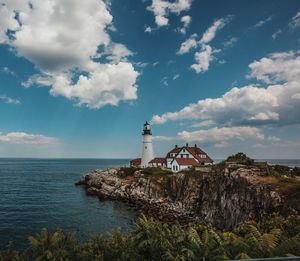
(153,171)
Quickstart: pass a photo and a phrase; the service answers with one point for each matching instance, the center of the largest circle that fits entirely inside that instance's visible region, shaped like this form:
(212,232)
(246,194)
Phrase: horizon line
(126,158)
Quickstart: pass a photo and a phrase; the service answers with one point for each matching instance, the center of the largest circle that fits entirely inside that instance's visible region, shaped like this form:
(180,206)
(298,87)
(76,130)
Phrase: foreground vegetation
(153,240)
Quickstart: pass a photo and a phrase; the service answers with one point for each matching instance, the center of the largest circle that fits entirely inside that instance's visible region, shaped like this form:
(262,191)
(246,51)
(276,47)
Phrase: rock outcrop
(222,198)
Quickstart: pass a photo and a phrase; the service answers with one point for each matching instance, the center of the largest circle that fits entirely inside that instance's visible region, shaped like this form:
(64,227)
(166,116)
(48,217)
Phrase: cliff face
(223,199)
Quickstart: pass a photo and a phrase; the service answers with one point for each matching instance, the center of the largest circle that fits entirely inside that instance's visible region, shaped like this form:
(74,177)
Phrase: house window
(183,150)
(181,156)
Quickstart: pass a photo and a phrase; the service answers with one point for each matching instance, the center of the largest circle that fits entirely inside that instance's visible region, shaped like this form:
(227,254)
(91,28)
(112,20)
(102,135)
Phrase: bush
(192,172)
(154,240)
(296,171)
(240,158)
(156,171)
(219,166)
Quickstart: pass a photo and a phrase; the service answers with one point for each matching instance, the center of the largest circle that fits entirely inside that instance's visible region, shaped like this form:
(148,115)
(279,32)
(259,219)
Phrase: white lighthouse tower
(147,154)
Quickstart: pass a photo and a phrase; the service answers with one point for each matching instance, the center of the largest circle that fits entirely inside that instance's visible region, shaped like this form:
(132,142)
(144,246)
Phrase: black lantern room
(147,129)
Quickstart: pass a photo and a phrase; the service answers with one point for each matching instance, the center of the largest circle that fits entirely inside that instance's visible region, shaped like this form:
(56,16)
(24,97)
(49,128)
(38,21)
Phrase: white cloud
(162,138)
(26,138)
(188,44)
(276,34)
(6,70)
(186,20)
(218,137)
(148,29)
(39,80)
(210,33)
(277,103)
(9,100)
(162,9)
(273,138)
(8,20)
(141,64)
(230,42)
(176,76)
(296,96)
(262,22)
(106,84)
(62,39)
(295,22)
(203,59)
(221,136)
(203,124)
(277,67)
(117,52)
(164,81)
(204,56)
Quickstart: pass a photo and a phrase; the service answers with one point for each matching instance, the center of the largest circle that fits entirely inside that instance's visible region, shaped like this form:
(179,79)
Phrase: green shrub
(155,240)
(192,172)
(156,171)
(296,171)
(219,166)
(240,158)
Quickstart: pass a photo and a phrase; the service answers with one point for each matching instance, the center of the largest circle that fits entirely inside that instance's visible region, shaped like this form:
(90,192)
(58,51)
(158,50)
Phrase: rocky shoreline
(223,198)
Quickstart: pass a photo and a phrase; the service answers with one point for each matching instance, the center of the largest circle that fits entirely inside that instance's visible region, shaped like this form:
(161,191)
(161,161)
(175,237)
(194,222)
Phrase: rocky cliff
(222,198)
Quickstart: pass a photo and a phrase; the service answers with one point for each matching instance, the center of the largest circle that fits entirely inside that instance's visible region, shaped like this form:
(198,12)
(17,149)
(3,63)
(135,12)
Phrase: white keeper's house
(177,159)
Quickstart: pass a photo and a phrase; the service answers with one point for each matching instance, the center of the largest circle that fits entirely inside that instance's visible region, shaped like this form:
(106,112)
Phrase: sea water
(38,193)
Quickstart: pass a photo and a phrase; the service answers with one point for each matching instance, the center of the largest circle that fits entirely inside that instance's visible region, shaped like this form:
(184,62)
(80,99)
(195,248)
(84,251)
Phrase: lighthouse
(147,153)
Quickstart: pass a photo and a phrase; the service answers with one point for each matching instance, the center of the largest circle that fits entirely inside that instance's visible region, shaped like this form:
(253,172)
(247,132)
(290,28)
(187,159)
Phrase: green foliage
(154,240)
(219,167)
(296,171)
(279,171)
(52,246)
(240,158)
(192,172)
(156,171)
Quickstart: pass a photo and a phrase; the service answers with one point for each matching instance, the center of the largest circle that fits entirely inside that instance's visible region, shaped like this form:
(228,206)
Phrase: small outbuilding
(179,164)
(158,162)
(135,162)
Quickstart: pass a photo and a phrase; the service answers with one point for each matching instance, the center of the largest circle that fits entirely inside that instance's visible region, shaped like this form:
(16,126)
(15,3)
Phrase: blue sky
(79,78)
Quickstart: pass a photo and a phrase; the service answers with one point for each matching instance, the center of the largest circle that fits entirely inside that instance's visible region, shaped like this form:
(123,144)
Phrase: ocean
(38,193)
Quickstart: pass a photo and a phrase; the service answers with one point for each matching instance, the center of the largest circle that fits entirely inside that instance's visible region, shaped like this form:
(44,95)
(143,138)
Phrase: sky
(79,78)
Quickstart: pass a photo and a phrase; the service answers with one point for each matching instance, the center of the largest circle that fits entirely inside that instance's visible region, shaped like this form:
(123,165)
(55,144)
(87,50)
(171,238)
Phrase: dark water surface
(37,193)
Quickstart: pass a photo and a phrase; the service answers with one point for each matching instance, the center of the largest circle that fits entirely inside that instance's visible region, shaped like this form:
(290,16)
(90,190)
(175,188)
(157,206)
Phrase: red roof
(158,160)
(186,161)
(136,162)
(174,150)
(195,151)
(207,159)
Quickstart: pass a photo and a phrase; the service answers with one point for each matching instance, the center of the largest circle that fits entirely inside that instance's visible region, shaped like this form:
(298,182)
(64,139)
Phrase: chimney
(187,145)
(176,146)
(195,145)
